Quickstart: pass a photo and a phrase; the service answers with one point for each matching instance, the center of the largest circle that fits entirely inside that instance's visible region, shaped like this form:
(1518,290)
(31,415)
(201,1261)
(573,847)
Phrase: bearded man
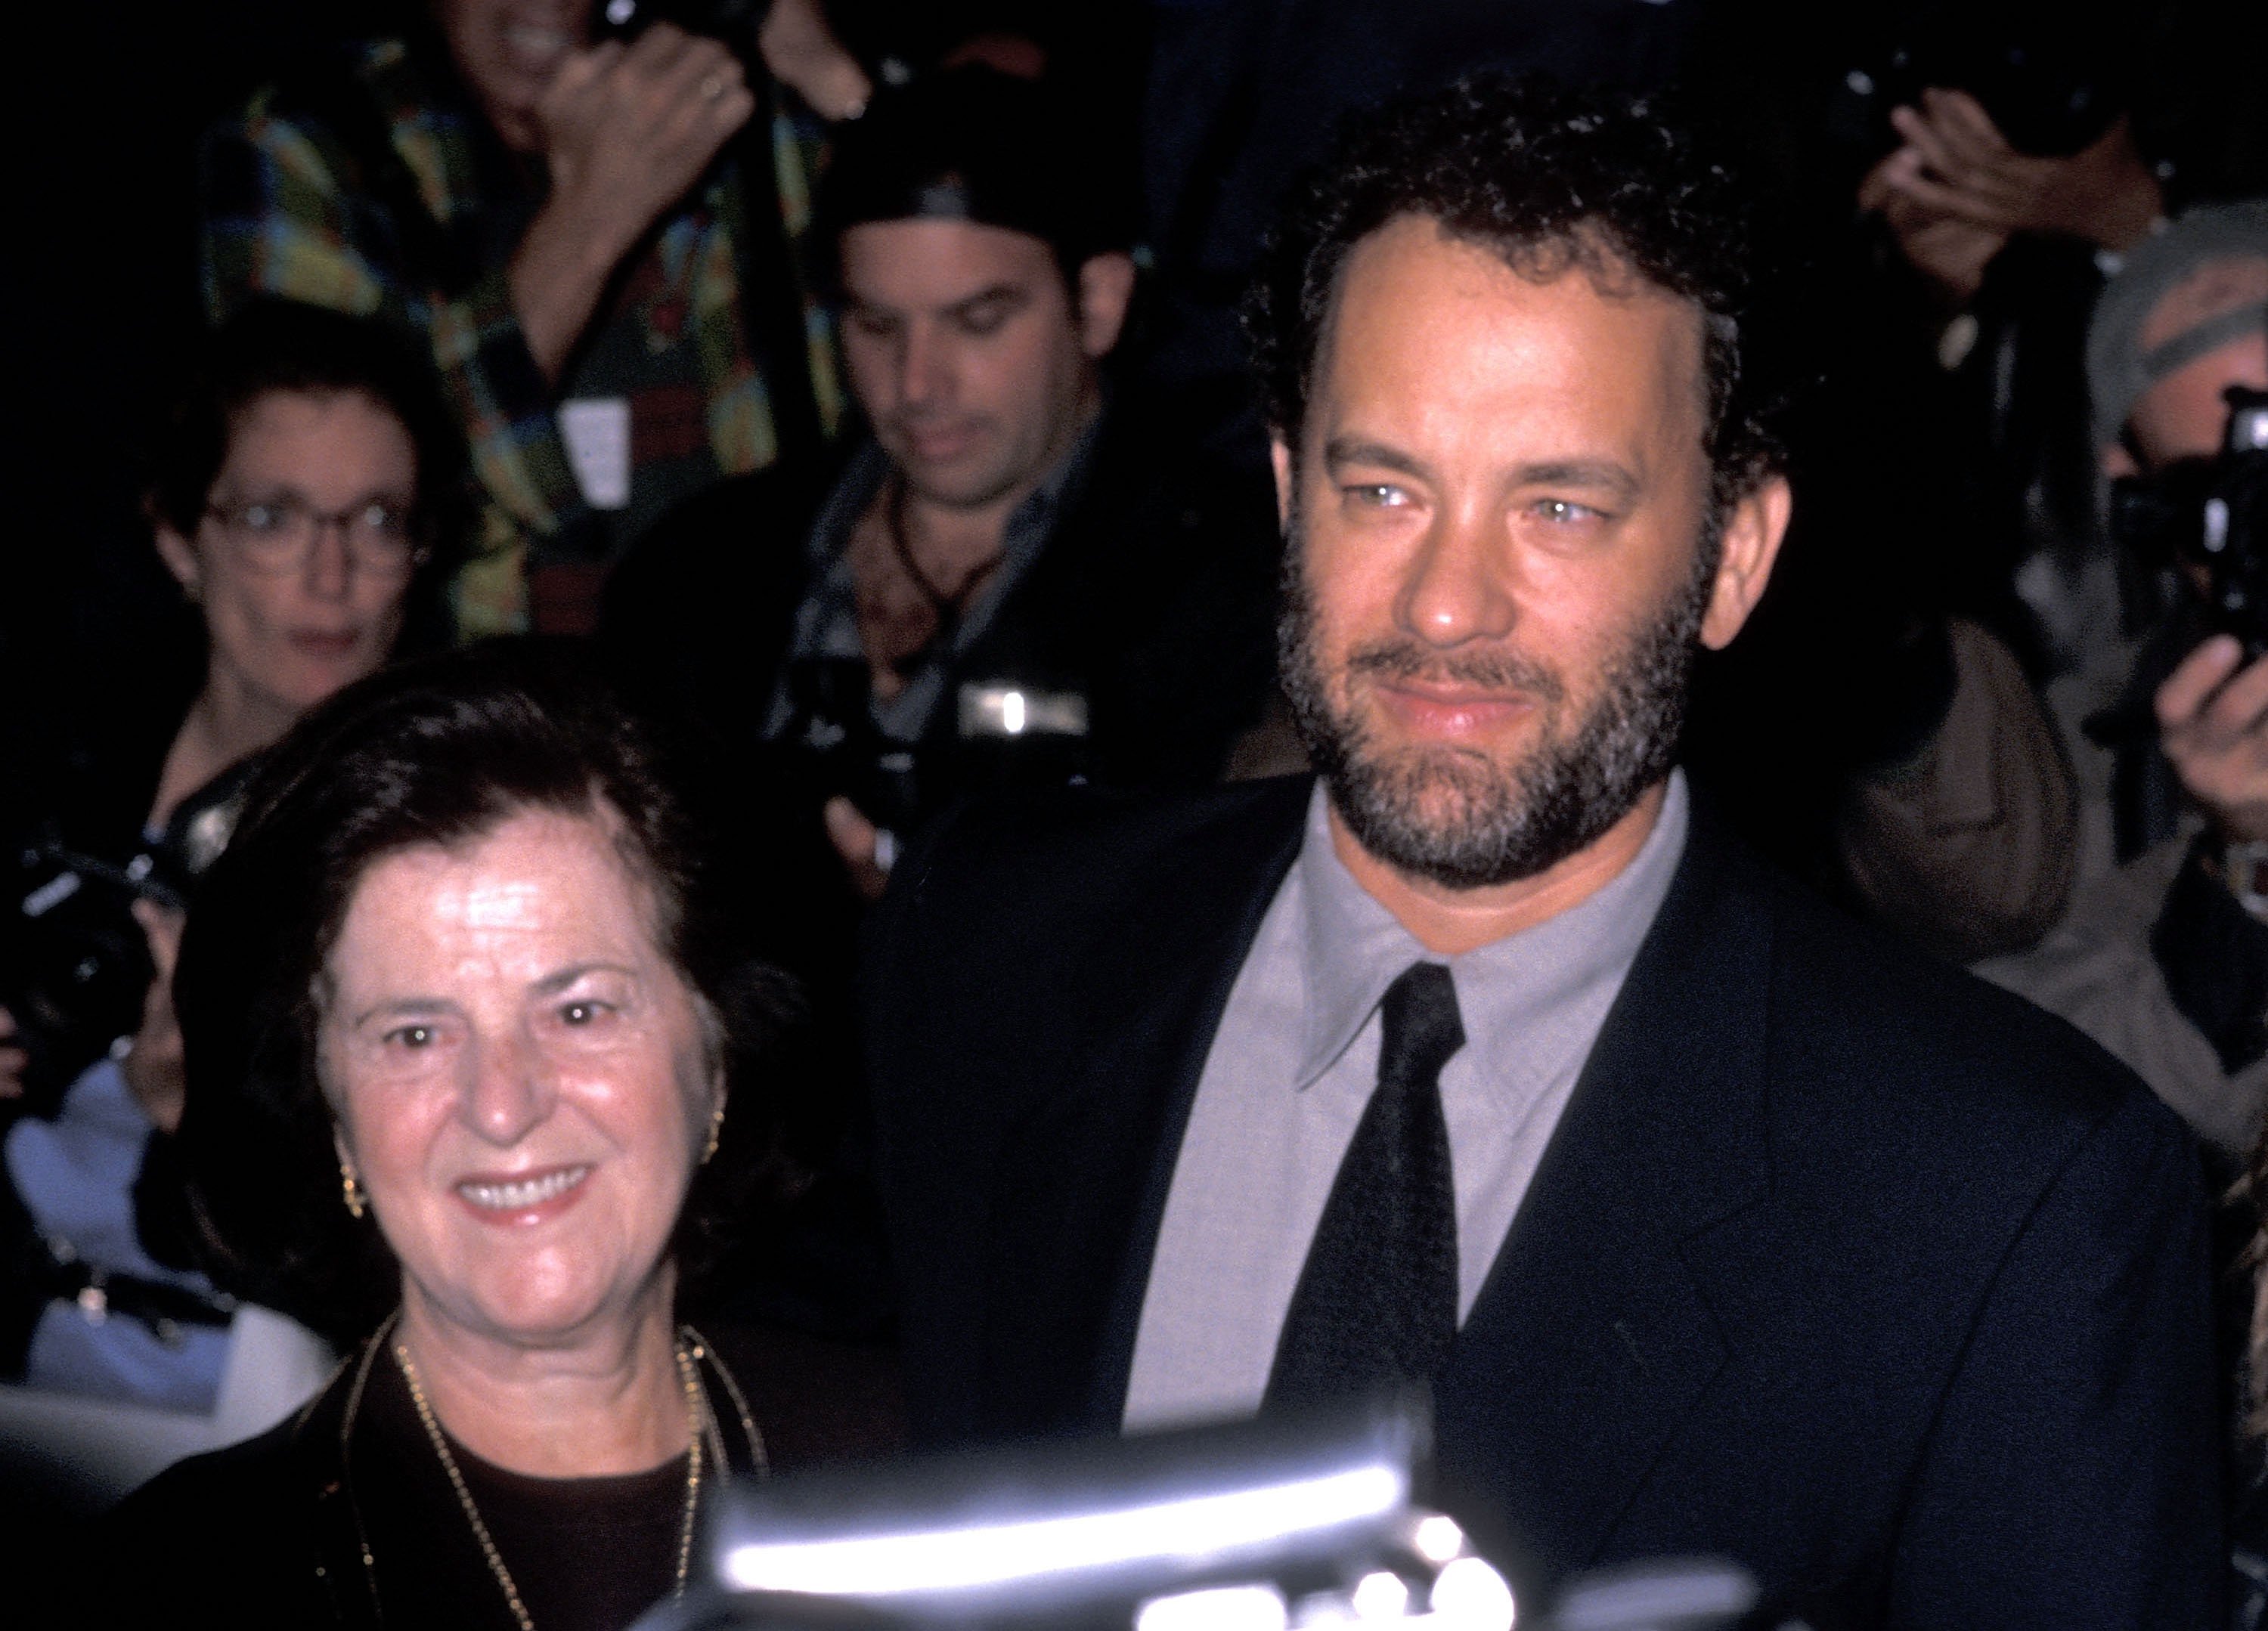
(1484,1060)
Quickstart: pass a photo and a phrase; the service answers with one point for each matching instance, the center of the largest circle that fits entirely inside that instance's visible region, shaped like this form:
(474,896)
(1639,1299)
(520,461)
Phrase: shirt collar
(1353,947)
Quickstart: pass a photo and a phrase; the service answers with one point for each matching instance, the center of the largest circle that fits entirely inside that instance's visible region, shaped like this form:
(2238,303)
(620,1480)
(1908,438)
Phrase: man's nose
(1458,582)
(924,371)
(509,1091)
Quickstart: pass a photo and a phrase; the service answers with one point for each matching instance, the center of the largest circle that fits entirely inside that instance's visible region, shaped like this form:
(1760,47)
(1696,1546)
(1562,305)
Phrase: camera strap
(102,1293)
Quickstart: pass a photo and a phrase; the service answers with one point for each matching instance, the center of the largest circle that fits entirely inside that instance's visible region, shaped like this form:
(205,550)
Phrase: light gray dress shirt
(1291,1067)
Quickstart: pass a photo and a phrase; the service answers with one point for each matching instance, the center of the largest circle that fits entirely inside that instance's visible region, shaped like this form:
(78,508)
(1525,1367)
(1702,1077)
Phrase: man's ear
(1106,289)
(1279,459)
(1753,532)
(2117,461)
(180,558)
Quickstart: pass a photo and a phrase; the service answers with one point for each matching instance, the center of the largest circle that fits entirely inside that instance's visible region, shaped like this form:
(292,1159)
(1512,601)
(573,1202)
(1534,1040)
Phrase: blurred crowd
(858,394)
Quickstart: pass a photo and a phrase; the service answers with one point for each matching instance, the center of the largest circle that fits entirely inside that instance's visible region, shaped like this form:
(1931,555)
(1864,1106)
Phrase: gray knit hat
(2117,369)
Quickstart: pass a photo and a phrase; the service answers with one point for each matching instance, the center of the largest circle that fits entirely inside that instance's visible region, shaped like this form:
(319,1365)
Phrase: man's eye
(262,518)
(409,1038)
(583,1013)
(1565,511)
(873,324)
(981,319)
(1376,494)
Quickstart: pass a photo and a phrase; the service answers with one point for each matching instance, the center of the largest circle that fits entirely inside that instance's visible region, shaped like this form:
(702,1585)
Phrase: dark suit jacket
(1840,1263)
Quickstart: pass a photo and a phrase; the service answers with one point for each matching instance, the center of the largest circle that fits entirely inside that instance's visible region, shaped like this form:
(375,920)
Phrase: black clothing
(1840,1263)
(1153,598)
(272,1531)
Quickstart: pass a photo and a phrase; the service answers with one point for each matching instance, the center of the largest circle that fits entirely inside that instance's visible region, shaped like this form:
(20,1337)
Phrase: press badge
(597,431)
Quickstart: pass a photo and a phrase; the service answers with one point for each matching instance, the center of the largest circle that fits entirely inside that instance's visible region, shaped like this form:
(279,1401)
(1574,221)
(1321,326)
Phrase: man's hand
(2213,723)
(12,1058)
(1956,163)
(1948,250)
(860,844)
(803,54)
(152,1066)
(627,130)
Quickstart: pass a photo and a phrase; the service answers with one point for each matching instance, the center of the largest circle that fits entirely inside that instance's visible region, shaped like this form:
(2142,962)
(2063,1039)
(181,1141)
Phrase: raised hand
(627,131)
(2212,723)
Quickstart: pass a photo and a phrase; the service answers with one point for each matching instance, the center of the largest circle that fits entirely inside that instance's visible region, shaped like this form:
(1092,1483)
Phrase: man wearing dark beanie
(2164,959)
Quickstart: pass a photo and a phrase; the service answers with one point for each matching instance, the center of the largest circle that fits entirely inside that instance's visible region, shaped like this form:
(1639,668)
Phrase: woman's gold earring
(352,1190)
(716,1133)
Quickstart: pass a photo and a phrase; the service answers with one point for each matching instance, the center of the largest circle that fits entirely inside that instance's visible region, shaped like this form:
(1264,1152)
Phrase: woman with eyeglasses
(304,499)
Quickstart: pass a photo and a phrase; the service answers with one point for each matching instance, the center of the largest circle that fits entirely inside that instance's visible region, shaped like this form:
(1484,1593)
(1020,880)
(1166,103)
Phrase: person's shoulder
(1038,889)
(219,1531)
(220,1487)
(1915,1050)
(1083,845)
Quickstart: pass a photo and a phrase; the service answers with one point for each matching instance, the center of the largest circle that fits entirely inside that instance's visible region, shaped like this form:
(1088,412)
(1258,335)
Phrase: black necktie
(1377,1302)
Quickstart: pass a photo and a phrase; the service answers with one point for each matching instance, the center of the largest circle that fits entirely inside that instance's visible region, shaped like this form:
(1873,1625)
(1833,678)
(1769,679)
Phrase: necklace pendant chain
(700,1423)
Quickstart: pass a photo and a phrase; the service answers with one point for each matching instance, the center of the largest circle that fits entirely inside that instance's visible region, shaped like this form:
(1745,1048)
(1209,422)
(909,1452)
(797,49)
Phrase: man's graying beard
(1456,816)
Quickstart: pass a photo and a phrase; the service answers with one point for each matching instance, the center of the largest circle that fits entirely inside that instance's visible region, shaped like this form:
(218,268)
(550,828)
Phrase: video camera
(2210,517)
(74,964)
(1005,734)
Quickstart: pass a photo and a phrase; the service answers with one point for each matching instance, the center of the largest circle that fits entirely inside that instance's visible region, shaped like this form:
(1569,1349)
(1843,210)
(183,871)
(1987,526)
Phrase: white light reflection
(951,1560)
(1223,1608)
(1470,1596)
(1438,1539)
(1011,712)
(1381,1595)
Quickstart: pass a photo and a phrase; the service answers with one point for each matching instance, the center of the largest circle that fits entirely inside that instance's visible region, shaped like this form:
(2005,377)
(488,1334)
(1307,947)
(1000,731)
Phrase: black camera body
(1007,734)
(74,963)
(2209,517)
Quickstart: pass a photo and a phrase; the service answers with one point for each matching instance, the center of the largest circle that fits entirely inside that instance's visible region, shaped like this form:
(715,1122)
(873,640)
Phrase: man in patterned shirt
(598,240)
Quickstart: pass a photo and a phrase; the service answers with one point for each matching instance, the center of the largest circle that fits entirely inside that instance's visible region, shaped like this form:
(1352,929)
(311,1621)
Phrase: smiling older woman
(462,1017)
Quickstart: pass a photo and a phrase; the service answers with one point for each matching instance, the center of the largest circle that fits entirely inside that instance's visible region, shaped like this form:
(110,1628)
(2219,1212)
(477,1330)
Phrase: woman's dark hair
(268,345)
(975,144)
(1549,179)
(437,751)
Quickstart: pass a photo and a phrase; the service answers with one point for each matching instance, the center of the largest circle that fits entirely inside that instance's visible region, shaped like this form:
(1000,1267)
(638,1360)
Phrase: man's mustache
(1408,660)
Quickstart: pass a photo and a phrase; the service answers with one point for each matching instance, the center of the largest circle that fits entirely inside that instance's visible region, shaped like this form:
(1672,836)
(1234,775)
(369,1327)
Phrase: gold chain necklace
(697,1418)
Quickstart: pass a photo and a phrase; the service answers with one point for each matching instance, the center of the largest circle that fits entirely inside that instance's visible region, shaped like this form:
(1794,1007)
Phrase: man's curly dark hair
(1549,179)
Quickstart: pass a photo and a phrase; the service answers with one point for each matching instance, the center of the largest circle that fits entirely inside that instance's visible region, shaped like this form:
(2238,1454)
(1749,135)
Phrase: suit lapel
(1591,1340)
(1086,1172)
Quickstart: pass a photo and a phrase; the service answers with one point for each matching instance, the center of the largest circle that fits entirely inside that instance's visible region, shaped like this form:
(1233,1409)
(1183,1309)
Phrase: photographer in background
(306,498)
(606,279)
(1027,574)
(2165,959)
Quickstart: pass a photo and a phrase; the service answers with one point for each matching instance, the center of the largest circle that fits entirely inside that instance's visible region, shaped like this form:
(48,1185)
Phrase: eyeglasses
(278,534)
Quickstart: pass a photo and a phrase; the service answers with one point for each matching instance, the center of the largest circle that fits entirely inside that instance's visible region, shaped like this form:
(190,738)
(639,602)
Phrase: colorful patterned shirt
(373,190)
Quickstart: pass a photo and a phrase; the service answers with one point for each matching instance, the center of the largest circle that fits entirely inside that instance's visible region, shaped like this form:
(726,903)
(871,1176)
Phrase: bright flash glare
(1470,1595)
(951,1560)
(1223,1608)
(1381,1595)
